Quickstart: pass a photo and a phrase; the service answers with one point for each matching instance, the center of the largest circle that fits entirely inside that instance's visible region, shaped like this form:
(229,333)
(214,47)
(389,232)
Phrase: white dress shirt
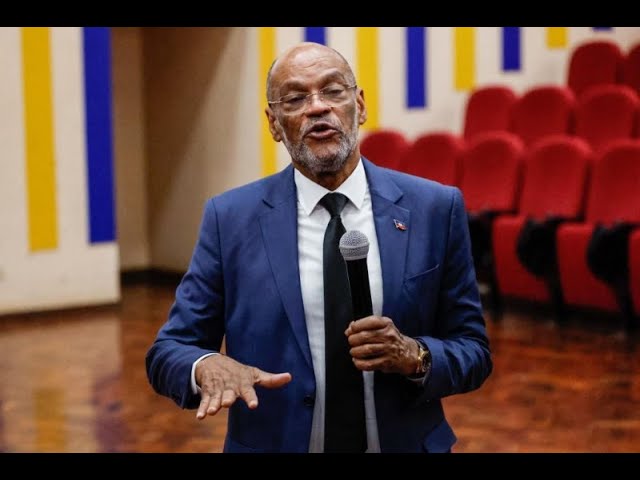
(312,223)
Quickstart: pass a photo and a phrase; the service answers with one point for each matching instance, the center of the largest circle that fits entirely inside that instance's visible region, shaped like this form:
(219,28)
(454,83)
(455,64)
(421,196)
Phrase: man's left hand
(376,344)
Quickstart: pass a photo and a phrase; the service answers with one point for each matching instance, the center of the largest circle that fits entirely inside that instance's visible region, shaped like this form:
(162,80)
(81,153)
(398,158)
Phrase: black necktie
(345,429)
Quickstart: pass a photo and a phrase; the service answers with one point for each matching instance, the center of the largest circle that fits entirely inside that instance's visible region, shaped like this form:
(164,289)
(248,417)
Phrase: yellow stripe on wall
(267,48)
(464,44)
(40,160)
(367,71)
(557,37)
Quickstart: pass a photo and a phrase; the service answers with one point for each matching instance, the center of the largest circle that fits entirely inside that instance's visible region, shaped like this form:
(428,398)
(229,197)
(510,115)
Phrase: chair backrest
(384,147)
(434,155)
(491,170)
(555,177)
(488,109)
(605,113)
(541,111)
(594,62)
(614,193)
(631,68)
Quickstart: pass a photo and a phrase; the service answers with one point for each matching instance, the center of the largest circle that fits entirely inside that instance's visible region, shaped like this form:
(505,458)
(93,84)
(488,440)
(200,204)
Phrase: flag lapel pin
(400,225)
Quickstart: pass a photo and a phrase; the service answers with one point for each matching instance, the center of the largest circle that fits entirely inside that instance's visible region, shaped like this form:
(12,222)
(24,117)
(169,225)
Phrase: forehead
(308,66)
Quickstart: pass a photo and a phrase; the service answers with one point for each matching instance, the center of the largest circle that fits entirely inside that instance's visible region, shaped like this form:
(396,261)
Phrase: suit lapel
(280,233)
(393,241)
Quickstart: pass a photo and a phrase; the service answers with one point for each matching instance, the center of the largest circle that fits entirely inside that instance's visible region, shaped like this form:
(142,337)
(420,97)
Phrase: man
(259,273)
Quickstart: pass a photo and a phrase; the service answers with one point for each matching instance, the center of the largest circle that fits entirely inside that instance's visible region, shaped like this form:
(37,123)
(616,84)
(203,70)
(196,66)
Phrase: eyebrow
(294,84)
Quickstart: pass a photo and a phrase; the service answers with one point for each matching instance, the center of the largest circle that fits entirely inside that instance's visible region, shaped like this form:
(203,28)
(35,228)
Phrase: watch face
(423,360)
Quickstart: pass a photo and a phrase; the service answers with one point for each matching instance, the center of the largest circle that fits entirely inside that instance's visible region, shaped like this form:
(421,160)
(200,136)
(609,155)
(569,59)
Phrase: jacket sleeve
(460,355)
(195,324)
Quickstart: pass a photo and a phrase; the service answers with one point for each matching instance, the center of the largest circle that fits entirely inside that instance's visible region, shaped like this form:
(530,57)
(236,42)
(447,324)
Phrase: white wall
(75,272)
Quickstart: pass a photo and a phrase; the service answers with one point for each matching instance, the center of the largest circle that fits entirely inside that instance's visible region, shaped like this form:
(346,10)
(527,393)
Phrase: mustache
(322,124)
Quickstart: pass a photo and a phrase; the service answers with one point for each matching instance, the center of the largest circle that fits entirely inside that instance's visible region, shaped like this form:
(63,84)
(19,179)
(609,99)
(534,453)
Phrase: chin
(327,166)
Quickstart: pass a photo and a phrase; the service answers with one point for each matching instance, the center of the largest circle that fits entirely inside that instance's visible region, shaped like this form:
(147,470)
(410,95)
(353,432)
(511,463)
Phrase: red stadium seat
(594,62)
(542,111)
(555,175)
(490,183)
(435,156)
(384,147)
(612,197)
(488,109)
(490,177)
(605,113)
(631,68)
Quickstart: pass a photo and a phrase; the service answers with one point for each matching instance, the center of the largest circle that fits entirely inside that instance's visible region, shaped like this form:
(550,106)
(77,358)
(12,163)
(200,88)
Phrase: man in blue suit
(256,280)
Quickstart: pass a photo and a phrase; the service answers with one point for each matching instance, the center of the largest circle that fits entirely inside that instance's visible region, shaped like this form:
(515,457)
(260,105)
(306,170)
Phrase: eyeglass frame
(307,96)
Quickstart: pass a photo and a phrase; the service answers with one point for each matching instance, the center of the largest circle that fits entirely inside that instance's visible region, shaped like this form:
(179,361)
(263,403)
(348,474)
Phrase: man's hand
(222,380)
(376,344)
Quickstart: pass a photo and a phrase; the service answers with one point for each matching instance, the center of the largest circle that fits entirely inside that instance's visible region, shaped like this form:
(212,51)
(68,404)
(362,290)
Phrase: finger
(365,337)
(204,405)
(216,398)
(371,322)
(248,394)
(371,364)
(228,398)
(272,380)
(367,351)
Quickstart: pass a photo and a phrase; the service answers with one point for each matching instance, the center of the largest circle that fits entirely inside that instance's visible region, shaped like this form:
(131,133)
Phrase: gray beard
(329,163)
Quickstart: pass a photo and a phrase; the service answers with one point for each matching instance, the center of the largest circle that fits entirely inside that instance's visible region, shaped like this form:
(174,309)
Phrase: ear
(362,108)
(274,125)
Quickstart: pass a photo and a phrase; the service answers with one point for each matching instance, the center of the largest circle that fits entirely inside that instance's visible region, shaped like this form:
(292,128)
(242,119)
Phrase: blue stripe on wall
(510,49)
(315,34)
(98,115)
(416,67)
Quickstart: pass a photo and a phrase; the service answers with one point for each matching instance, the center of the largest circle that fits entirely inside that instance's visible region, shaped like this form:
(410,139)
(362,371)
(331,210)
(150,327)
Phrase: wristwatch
(423,361)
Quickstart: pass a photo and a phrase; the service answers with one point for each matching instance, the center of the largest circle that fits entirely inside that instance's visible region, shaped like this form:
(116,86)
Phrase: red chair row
(601,62)
(559,180)
(613,197)
(602,113)
(572,191)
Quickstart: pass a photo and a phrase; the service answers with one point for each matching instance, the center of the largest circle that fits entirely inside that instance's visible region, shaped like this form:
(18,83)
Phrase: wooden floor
(75,382)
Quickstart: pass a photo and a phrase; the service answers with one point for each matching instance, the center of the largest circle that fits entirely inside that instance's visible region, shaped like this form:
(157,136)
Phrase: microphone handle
(360,291)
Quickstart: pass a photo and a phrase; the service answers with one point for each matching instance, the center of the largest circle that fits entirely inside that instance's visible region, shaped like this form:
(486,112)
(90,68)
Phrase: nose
(315,104)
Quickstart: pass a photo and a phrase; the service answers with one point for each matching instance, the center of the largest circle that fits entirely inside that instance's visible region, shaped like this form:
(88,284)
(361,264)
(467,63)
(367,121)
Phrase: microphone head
(354,245)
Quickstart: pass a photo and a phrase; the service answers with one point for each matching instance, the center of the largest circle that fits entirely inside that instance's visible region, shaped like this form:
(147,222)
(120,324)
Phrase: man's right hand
(222,380)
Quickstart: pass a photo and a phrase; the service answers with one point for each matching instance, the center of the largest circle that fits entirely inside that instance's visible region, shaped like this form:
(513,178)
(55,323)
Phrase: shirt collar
(310,193)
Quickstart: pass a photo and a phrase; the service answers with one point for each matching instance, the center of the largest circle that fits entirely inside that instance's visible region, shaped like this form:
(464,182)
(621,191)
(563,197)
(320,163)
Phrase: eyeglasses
(333,95)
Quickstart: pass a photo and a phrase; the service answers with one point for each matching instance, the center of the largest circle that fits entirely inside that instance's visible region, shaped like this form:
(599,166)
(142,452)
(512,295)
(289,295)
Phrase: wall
(57,245)
(129,148)
(201,106)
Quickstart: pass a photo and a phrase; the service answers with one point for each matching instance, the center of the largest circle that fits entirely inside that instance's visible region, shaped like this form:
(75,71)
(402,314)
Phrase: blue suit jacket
(243,282)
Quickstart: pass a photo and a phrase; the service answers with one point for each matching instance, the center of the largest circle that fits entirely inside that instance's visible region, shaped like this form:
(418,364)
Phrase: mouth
(321,131)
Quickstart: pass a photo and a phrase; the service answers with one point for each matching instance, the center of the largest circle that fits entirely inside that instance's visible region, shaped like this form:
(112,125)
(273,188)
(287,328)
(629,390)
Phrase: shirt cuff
(195,389)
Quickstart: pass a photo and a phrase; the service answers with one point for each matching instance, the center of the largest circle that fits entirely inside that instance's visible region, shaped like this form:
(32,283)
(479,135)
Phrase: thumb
(272,380)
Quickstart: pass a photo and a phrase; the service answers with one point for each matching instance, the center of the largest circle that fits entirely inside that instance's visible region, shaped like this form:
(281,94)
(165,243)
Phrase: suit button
(308,401)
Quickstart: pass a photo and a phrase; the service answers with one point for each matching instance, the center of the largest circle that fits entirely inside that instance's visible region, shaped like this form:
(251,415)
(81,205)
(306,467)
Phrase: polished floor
(75,382)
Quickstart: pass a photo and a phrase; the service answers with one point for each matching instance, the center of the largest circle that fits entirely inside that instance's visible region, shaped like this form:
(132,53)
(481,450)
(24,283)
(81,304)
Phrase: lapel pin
(400,225)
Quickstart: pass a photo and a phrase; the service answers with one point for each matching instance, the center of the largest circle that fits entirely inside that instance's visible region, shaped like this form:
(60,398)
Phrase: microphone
(354,247)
